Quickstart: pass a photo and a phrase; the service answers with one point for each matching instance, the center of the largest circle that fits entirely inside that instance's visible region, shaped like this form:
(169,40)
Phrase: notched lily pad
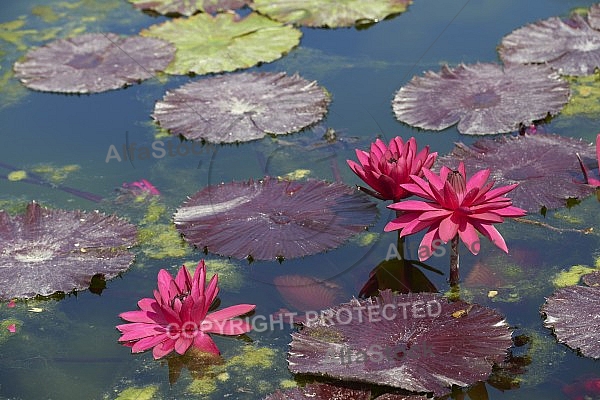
(572,46)
(93,62)
(241,107)
(544,165)
(188,7)
(44,251)
(481,98)
(417,341)
(330,13)
(574,314)
(271,218)
(224,42)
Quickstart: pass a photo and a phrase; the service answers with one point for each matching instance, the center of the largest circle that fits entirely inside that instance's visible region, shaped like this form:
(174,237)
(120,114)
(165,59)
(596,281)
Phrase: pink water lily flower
(454,206)
(178,318)
(143,186)
(586,174)
(386,168)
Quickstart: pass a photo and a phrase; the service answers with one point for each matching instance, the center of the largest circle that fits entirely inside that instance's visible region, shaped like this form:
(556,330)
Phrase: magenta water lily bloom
(385,168)
(454,206)
(177,318)
(588,179)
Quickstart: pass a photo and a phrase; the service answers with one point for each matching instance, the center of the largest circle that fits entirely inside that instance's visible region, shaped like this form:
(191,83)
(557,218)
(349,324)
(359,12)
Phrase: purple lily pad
(187,7)
(593,16)
(271,218)
(573,313)
(481,98)
(592,279)
(545,166)
(93,62)
(241,107)
(572,47)
(44,251)
(323,391)
(416,341)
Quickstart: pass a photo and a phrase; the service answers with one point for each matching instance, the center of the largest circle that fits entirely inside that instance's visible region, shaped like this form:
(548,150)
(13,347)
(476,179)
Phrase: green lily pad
(188,7)
(330,13)
(224,42)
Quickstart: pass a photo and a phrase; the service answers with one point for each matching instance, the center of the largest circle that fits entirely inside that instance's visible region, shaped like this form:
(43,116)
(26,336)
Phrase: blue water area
(67,347)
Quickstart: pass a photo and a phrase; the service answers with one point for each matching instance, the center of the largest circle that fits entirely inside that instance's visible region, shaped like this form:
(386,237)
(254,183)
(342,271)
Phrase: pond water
(67,348)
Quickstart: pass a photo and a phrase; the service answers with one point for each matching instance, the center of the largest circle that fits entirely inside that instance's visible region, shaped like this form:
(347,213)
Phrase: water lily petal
(203,342)
(231,312)
(162,349)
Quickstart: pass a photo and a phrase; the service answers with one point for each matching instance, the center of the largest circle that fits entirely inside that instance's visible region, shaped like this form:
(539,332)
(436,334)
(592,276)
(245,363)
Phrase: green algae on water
(157,236)
(231,276)
(138,393)
(572,276)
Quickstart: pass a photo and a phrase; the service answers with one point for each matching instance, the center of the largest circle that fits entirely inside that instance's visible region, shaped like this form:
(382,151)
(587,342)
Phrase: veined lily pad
(271,218)
(384,341)
(44,251)
(224,42)
(572,47)
(545,166)
(330,13)
(188,7)
(93,62)
(574,315)
(481,98)
(323,391)
(241,107)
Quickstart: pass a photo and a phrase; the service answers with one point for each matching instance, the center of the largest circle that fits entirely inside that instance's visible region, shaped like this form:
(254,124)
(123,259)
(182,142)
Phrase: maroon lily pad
(271,218)
(545,166)
(572,47)
(241,107)
(45,251)
(323,391)
(93,62)
(305,293)
(593,16)
(592,279)
(416,341)
(187,7)
(573,313)
(481,98)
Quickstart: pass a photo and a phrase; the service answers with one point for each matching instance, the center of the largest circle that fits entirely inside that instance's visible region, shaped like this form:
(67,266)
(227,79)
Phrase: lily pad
(44,251)
(574,314)
(481,98)
(270,218)
(323,391)
(224,42)
(188,7)
(593,16)
(592,279)
(93,62)
(330,13)
(544,165)
(416,341)
(241,107)
(571,47)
